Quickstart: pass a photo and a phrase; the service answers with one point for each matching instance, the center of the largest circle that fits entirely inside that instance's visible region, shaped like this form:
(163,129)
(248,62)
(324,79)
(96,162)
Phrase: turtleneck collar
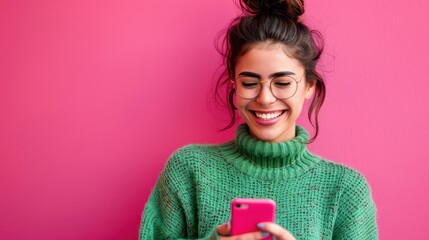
(270,160)
(271,155)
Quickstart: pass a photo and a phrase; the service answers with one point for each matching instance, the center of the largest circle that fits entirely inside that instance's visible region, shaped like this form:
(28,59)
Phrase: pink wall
(94,96)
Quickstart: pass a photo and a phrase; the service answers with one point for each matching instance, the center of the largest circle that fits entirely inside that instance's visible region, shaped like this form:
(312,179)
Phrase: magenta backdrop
(95,95)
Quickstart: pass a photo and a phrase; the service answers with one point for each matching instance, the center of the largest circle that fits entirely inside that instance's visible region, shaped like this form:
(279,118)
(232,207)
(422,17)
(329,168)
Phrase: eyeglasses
(282,87)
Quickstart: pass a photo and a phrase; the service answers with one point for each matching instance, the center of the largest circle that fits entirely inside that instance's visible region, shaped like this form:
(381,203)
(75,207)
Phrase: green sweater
(315,198)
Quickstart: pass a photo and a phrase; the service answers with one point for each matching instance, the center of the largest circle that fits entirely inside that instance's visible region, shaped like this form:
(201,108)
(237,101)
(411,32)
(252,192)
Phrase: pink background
(95,95)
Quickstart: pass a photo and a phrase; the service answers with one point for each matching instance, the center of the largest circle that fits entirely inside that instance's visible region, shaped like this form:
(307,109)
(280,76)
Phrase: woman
(270,72)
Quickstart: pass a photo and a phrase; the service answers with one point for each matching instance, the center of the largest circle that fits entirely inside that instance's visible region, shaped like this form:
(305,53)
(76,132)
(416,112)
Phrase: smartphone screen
(246,213)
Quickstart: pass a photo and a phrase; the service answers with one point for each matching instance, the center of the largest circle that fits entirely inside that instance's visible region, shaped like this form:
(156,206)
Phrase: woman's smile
(267,118)
(267,115)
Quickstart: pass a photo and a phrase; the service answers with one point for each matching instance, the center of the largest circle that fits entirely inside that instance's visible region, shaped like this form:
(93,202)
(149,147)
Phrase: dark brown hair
(273,21)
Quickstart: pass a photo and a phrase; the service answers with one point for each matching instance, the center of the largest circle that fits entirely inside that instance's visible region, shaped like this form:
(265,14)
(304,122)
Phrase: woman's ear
(309,89)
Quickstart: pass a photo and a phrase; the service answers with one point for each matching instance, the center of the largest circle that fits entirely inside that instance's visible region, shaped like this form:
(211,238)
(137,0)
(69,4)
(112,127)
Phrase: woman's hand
(266,229)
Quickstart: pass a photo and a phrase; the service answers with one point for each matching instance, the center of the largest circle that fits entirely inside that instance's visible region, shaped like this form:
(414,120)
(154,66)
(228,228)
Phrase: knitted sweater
(315,198)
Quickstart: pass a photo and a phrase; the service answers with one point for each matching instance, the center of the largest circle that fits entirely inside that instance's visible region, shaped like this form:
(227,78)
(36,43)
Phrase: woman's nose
(265,95)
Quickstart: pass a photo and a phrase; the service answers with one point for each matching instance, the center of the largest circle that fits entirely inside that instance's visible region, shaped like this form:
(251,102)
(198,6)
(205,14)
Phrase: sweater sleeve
(170,212)
(356,217)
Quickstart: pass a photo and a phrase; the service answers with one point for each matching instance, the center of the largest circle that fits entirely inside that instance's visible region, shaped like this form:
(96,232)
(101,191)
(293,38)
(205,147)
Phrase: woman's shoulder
(340,167)
(185,161)
(196,154)
(197,151)
(348,177)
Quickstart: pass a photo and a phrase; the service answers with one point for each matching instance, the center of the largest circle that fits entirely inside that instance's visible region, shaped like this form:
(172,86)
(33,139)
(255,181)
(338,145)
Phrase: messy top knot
(292,9)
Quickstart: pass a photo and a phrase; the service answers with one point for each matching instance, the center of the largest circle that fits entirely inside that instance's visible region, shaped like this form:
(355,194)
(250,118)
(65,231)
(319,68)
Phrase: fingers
(247,236)
(276,230)
(224,229)
(266,229)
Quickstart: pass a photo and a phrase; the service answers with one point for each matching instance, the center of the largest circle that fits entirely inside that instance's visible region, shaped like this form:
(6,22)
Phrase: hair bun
(291,9)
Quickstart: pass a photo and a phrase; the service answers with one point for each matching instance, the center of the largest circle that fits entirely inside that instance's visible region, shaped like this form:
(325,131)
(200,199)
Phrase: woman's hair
(272,21)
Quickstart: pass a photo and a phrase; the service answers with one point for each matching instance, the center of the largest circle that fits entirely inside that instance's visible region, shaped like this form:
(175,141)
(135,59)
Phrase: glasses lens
(247,87)
(284,87)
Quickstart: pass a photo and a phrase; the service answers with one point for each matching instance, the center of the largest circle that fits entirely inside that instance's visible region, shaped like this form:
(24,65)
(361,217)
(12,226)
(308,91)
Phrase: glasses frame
(234,82)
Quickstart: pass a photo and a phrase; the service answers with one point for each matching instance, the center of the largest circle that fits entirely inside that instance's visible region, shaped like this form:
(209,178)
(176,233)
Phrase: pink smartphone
(246,213)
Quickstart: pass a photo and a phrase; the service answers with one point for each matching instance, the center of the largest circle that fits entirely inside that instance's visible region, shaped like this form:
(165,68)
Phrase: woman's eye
(283,84)
(249,84)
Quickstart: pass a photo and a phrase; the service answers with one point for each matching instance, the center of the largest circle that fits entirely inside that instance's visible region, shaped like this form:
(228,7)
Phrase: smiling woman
(270,71)
(271,110)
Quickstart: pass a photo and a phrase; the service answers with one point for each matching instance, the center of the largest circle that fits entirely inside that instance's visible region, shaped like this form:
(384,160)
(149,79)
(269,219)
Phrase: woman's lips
(267,118)
(268,115)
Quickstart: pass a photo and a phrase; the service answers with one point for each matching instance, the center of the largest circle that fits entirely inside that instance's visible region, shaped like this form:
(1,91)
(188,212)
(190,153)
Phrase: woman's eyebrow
(281,74)
(272,75)
(250,74)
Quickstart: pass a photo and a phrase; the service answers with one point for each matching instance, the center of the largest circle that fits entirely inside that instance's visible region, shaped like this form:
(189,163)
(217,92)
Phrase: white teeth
(268,116)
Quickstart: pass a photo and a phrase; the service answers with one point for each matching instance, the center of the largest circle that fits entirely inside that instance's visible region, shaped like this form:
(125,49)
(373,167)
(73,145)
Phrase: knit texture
(315,198)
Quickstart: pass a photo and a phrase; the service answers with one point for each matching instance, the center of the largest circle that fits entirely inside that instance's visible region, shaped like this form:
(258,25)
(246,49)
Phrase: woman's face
(271,119)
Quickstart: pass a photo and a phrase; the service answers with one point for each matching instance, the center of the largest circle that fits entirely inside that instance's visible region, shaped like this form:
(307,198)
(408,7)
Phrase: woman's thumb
(224,229)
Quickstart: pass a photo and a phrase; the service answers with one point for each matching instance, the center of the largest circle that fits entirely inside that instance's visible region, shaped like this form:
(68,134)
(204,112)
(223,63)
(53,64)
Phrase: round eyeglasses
(282,87)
